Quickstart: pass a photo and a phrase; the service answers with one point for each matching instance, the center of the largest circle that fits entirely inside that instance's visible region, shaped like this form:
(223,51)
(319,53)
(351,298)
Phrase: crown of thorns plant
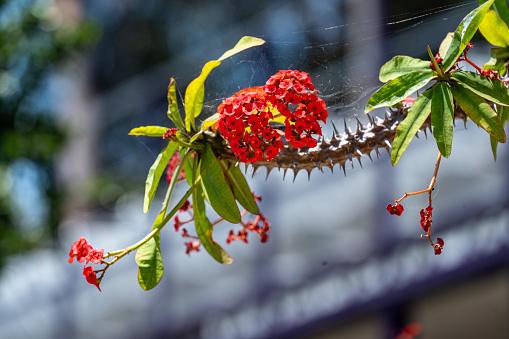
(279,125)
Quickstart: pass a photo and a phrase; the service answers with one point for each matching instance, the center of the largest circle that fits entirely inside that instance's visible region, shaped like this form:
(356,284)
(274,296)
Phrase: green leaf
(204,229)
(149,131)
(196,89)
(494,29)
(155,172)
(493,90)
(399,88)
(173,109)
(503,114)
(406,130)
(216,188)
(243,44)
(444,46)
(464,34)
(241,189)
(150,263)
(442,117)
(479,111)
(400,65)
(498,60)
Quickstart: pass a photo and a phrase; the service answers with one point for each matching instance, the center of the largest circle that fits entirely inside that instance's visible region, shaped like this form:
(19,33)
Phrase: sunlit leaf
(173,109)
(464,34)
(216,188)
(479,111)
(444,46)
(400,65)
(243,44)
(204,229)
(155,172)
(502,9)
(493,90)
(150,263)
(241,189)
(399,88)
(494,29)
(149,131)
(406,130)
(442,117)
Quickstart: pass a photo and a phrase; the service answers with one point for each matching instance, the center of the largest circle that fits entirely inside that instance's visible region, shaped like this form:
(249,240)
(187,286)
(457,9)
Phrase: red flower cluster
(192,246)
(244,117)
(172,166)
(295,88)
(438,59)
(83,251)
(395,209)
(426,219)
(259,226)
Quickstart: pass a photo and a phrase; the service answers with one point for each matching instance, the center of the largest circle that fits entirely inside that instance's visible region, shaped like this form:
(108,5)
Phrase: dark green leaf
(399,88)
(173,109)
(400,65)
(479,111)
(204,229)
(241,189)
(442,117)
(503,114)
(216,188)
(493,90)
(406,130)
(155,172)
(149,131)
(464,34)
(150,263)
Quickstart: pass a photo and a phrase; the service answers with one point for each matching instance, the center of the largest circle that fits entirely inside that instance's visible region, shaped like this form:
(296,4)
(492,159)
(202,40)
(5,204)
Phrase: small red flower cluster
(172,166)
(426,219)
(169,133)
(260,226)
(438,59)
(83,251)
(395,209)
(244,117)
(490,74)
(438,246)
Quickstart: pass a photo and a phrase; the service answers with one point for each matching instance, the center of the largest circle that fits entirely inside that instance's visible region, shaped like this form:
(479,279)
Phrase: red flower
(76,248)
(192,246)
(95,256)
(395,209)
(91,277)
(185,206)
(438,246)
(426,218)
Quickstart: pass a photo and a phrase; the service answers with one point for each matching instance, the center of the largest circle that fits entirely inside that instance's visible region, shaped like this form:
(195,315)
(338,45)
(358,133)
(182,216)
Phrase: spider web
(343,60)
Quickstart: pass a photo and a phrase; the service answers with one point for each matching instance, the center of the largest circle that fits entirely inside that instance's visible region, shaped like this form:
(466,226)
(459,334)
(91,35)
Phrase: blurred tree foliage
(33,40)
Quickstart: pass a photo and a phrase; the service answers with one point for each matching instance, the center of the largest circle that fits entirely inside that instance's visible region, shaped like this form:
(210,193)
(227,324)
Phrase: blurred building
(337,265)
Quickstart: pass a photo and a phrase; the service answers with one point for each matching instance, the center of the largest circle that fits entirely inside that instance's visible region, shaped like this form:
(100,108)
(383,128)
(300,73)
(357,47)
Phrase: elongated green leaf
(479,111)
(196,89)
(498,59)
(400,65)
(155,172)
(150,263)
(406,130)
(243,44)
(399,88)
(503,114)
(494,29)
(493,90)
(149,131)
(173,108)
(195,93)
(442,117)
(241,189)
(216,188)
(204,229)
(464,34)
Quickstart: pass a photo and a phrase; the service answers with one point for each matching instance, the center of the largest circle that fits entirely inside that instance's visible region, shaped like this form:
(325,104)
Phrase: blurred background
(77,76)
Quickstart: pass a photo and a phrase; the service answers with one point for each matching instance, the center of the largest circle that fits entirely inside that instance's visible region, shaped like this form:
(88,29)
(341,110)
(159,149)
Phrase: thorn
(360,163)
(359,125)
(343,167)
(387,143)
(347,131)
(309,174)
(295,174)
(336,132)
(255,168)
(269,169)
(284,172)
